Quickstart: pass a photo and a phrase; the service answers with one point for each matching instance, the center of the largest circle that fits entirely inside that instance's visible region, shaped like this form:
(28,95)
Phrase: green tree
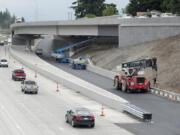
(143,5)
(84,7)
(166,5)
(23,20)
(6,19)
(109,11)
(175,6)
(90,15)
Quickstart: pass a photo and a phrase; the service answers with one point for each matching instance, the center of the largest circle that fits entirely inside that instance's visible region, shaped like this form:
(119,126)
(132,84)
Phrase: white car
(3,63)
(167,15)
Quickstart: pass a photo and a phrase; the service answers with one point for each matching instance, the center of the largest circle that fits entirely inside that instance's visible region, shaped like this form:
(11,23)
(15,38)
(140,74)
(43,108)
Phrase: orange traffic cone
(57,87)
(102,110)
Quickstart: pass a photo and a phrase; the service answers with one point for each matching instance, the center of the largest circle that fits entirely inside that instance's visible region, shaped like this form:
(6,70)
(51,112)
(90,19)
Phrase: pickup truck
(28,86)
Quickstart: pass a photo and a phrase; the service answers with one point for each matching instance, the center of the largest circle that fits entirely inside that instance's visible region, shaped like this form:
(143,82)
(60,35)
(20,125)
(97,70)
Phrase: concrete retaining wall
(137,34)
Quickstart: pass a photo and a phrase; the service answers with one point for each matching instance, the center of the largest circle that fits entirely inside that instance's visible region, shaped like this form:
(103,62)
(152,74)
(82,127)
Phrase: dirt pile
(167,52)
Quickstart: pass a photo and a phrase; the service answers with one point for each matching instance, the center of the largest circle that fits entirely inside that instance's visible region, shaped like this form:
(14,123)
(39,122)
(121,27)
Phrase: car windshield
(30,82)
(38,49)
(83,112)
(3,60)
(19,71)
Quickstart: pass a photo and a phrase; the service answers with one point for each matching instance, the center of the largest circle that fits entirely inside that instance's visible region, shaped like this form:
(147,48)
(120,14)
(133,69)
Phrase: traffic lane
(44,113)
(165,112)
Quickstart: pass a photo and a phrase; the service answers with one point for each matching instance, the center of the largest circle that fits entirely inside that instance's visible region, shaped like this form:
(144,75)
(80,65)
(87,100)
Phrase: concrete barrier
(100,71)
(111,100)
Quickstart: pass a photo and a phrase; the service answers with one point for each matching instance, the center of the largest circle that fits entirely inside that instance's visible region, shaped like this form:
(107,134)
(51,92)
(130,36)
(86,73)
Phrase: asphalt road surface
(165,113)
(43,114)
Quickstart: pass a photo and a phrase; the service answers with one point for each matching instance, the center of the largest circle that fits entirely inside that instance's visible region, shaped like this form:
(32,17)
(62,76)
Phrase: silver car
(3,63)
(28,86)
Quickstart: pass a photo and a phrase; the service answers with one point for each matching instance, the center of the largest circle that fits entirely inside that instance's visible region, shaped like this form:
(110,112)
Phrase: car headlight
(132,83)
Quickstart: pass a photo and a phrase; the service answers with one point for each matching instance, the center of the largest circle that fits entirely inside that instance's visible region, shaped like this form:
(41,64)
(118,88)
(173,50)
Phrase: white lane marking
(2,107)
(60,128)
(13,120)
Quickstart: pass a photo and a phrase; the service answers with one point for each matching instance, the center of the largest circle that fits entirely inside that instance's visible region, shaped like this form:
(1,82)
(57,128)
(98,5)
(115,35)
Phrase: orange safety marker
(57,87)
(102,110)
(35,74)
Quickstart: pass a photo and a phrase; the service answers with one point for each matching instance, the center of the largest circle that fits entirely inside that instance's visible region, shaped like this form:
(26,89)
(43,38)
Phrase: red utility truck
(130,79)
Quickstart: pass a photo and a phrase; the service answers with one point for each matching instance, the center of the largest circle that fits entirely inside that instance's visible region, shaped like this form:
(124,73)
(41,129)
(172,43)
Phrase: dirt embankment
(167,52)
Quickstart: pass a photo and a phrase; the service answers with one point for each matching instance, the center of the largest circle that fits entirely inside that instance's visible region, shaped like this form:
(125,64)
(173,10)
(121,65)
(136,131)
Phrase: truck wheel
(72,123)
(116,84)
(66,119)
(124,86)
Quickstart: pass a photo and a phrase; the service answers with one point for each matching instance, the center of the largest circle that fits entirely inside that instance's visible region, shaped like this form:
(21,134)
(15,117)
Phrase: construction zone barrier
(102,110)
(137,112)
(164,93)
(57,87)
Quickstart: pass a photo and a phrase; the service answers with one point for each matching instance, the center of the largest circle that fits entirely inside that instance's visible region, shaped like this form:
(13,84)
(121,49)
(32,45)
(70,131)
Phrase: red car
(18,74)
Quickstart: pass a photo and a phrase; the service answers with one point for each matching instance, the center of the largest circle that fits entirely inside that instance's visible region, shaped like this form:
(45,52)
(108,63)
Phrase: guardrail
(137,112)
(164,93)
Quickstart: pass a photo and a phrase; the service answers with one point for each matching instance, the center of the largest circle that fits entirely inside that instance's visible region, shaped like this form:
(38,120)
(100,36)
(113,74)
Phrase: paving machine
(79,63)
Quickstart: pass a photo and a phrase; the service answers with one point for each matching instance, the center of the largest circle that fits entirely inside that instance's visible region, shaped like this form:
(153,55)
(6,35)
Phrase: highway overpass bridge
(128,31)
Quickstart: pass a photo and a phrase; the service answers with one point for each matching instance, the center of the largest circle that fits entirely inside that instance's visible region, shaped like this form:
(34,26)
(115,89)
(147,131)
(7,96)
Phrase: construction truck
(132,77)
(79,63)
(60,55)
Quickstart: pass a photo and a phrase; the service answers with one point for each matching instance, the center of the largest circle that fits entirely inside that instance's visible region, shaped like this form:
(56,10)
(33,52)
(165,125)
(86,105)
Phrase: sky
(46,10)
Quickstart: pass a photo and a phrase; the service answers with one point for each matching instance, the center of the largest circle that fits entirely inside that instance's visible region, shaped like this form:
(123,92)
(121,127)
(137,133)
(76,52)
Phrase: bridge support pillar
(29,44)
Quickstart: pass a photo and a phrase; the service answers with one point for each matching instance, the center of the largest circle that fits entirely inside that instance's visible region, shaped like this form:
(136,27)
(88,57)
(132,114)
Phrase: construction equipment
(59,54)
(79,63)
(133,78)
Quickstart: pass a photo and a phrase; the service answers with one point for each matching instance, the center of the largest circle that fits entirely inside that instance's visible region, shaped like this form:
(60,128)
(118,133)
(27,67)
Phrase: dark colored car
(80,116)
(1,43)
(18,74)
(39,51)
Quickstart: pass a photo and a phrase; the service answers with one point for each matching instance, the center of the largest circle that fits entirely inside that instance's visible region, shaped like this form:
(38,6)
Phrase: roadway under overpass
(128,31)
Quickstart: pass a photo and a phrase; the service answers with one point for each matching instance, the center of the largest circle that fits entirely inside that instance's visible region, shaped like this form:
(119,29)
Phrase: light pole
(36,10)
